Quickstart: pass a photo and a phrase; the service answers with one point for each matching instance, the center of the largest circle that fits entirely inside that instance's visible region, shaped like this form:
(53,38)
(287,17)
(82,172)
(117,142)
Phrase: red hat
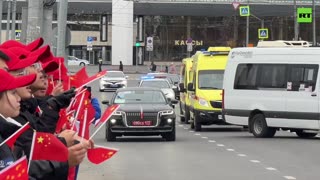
(50,66)
(30,47)
(35,44)
(9,82)
(22,53)
(15,63)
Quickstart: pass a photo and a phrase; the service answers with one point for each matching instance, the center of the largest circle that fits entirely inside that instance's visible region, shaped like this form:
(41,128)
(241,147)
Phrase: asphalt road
(218,152)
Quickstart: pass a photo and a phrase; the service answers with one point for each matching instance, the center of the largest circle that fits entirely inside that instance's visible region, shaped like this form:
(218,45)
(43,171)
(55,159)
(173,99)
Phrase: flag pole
(32,147)
(14,133)
(77,113)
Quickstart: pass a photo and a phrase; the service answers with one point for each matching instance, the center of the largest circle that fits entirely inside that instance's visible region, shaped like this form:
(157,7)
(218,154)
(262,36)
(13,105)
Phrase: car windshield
(115,74)
(174,78)
(140,97)
(210,79)
(155,84)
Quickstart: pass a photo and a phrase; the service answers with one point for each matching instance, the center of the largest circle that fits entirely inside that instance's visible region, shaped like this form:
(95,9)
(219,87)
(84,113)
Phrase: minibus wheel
(303,134)
(259,127)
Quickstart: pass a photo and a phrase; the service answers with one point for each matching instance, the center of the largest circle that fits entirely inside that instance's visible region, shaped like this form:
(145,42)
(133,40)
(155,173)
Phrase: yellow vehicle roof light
(219,48)
(210,53)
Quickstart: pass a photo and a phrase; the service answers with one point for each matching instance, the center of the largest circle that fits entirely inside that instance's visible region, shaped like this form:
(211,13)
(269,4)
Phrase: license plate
(141,123)
(114,85)
(219,116)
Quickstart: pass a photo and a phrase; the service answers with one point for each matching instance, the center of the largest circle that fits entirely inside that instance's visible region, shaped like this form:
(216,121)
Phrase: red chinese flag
(64,118)
(79,78)
(48,147)
(18,170)
(93,78)
(107,114)
(12,139)
(100,154)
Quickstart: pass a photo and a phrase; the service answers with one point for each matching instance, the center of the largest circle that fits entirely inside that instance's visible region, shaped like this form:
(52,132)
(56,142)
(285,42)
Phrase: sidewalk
(141,69)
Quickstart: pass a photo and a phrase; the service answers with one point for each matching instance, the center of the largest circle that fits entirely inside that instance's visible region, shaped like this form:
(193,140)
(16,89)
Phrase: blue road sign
(263,33)
(89,39)
(244,11)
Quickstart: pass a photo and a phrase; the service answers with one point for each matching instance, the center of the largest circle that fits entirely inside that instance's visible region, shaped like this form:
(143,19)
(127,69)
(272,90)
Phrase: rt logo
(304,15)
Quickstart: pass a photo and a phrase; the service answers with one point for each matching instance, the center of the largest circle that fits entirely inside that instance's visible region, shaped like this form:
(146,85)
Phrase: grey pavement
(218,152)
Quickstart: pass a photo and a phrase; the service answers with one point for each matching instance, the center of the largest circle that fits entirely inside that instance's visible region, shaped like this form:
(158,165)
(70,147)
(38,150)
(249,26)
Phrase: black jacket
(6,155)
(46,170)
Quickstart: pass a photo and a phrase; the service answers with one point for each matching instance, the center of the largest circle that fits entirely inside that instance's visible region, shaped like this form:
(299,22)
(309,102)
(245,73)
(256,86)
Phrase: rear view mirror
(105,102)
(181,87)
(127,77)
(190,87)
(174,101)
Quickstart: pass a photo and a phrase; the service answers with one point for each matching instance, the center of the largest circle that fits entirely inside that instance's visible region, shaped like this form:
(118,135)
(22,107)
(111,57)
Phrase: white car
(74,61)
(113,80)
(163,84)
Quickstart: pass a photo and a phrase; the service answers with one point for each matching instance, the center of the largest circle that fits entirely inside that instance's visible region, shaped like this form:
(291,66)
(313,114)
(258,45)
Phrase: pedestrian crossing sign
(244,11)
(263,33)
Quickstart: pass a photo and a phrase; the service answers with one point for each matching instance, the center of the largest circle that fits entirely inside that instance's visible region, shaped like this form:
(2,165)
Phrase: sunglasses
(37,66)
(22,72)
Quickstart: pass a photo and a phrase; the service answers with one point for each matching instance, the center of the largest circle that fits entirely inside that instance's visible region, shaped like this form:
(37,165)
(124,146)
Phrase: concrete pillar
(8,20)
(281,28)
(24,25)
(14,16)
(188,32)
(35,14)
(47,32)
(122,32)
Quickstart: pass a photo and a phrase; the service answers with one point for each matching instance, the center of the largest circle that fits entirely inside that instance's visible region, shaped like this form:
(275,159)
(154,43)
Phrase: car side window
(272,76)
(246,76)
(302,77)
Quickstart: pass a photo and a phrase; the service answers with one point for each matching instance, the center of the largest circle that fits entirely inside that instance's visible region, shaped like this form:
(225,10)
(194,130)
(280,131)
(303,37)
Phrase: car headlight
(124,82)
(166,112)
(117,113)
(203,102)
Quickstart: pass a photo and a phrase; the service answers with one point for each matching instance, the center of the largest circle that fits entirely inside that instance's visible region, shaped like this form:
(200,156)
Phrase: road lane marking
(289,177)
(271,168)
(191,131)
(220,145)
(204,137)
(180,125)
(197,134)
(212,141)
(242,155)
(255,161)
(230,149)
(185,128)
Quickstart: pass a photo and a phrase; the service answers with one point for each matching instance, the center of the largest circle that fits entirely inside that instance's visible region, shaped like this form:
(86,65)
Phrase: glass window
(210,79)
(272,76)
(115,74)
(303,77)
(155,84)
(140,97)
(246,76)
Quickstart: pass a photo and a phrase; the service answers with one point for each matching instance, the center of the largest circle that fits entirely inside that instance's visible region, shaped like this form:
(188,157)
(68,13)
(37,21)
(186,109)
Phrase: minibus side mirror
(190,87)
(181,87)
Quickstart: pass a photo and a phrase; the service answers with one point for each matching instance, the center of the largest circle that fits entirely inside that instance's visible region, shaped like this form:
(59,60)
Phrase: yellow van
(184,81)
(206,87)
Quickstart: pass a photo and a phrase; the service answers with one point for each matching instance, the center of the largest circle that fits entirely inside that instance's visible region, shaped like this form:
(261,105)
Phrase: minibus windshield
(210,79)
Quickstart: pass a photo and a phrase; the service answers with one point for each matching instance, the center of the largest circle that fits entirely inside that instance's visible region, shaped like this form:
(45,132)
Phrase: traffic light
(138,44)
